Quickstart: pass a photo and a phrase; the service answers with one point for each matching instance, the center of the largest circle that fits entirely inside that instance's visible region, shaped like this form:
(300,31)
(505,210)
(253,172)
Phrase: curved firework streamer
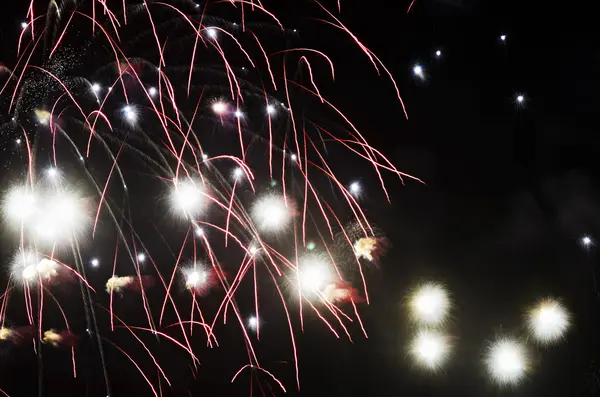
(173,103)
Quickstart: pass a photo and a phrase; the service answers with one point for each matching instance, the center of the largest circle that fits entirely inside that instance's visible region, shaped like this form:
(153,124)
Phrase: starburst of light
(418,71)
(253,323)
(438,53)
(271,109)
(430,304)
(219,107)
(548,321)
(96,88)
(520,98)
(314,273)
(507,362)
(62,217)
(195,277)
(130,114)
(270,213)
(212,33)
(95,262)
(187,197)
(20,204)
(430,349)
(355,189)
(152,91)
(141,257)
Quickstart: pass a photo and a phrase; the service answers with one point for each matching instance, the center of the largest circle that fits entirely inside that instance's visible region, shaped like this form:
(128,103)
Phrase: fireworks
(430,304)
(430,349)
(314,273)
(271,213)
(548,321)
(187,198)
(507,362)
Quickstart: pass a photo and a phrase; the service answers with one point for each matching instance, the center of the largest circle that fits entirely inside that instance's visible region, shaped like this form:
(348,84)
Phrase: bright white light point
(430,304)
(24,25)
(152,91)
(507,361)
(253,249)
(199,231)
(314,273)
(211,32)
(130,113)
(430,349)
(186,197)
(205,156)
(270,213)
(29,272)
(20,204)
(219,107)
(195,278)
(95,262)
(197,5)
(520,98)
(270,109)
(238,114)
(52,172)
(96,88)
(109,89)
(253,323)
(294,157)
(355,188)
(503,37)
(295,30)
(586,241)
(418,71)
(238,173)
(141,257)
(438,53)
(18,141)
(548,321)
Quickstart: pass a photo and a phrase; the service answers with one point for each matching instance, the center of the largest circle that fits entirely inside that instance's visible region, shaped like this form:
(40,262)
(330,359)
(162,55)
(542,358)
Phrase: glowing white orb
(62,216)
(96,88)
(20,204)
(430,349)
(548,321)
(253,249)
(438,53)
(294,157)
(95,262)
(507,361)
(430,304)
(355,188)
(29,273)
(314,273)
(212,33)
(18,141)
(152,91)
(194,277)
(520,98)
(205,157)
(270,109)
(52,172)
(238,173)
(187,197)
(418,71)
(130,114)
(270,213)
(141,257)
(503,37)
(253,323)
(24,25)
(586,241)
(219,107)
(238,114)
(199,231)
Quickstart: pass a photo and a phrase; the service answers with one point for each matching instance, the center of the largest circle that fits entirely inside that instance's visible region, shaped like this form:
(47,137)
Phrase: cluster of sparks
(506,359)
(55,221)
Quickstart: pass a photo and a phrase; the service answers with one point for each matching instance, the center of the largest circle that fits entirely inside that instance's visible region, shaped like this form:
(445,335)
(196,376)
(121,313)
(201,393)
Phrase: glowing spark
(294,157)
(96,88)
(187,198)
(95,262)
(430,304)
(270,109)
(238,114)
(315,273)
(18,141)
(199,231)
(438,53)
(20,204)
(212,33)
(195,278)
(253,323)
(43,116)
(219,107)
(418,71)
(253,249)
(271,213)
(365,247)
(52,337)
(355,189)
(205,156)
(238,173)
(152,92)
(430,349)
(5,333)
(520,98)
(141,257)
(587,241)
(507,361)
(130,114)
(503,37)
(24,25)
(548,321)
(52,172)
(61,217)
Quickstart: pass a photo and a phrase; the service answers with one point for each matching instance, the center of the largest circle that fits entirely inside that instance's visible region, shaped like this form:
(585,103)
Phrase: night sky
(510,189)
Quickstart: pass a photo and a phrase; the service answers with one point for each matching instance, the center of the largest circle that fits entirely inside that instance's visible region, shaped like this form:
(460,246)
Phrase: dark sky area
(510,190)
